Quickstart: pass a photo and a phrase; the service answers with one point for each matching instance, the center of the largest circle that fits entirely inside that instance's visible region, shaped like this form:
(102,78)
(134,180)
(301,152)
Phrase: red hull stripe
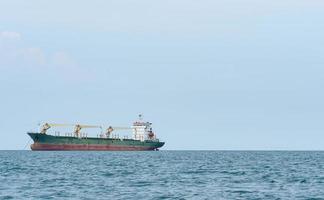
(81,147)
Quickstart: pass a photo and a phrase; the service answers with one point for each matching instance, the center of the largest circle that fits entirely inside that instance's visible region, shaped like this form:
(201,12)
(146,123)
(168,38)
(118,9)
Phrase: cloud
(65,66)
(34,55)
(10,35)
(16,57)
(184,17)
(14,53)
(63,60)
(9,48)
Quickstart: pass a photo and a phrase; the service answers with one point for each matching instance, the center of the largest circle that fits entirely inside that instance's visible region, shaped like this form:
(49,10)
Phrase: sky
(209,75)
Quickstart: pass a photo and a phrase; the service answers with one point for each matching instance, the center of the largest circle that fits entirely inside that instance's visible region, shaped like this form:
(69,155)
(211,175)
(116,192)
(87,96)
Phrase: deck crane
(47,126)
(77,127)
(110,129)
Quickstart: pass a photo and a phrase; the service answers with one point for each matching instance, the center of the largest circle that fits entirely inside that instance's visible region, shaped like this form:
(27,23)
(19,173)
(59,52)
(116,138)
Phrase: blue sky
(209,74)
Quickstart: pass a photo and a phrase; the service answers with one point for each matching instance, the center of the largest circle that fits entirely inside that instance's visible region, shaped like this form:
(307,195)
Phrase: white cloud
(34,55)
(16,56)
(14,53)
(63,65)
(146,16)
(10,35)
(9,48)
(63,60)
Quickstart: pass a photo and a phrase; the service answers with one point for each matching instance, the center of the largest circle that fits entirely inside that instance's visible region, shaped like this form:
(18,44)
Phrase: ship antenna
(140,117)
(39,125)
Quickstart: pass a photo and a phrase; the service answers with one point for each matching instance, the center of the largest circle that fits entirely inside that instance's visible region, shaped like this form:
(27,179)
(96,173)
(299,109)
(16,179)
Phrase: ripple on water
(161,175)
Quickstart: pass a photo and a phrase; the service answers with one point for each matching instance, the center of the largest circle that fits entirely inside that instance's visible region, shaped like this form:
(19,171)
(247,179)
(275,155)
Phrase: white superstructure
(141,130)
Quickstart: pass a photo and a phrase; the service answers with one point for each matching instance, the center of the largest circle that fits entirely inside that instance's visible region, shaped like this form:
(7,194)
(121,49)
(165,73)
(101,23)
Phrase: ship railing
(69,134)
(83,135)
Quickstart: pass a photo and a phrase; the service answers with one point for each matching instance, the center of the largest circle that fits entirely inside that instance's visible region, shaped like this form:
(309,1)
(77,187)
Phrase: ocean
(162,175)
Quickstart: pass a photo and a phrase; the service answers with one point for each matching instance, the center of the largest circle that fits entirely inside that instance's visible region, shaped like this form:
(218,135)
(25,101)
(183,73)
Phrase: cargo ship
(143,139)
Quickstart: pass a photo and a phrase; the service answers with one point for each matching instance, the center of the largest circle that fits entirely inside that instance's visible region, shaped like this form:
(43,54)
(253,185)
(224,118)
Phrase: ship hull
(44,142)
(75,147)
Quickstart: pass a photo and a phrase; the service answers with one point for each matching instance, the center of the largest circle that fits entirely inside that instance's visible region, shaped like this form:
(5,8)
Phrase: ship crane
(47,126)
(110,129)
(77,127)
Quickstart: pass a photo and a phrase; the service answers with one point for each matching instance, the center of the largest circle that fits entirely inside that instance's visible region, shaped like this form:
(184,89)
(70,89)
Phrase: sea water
(162,175)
